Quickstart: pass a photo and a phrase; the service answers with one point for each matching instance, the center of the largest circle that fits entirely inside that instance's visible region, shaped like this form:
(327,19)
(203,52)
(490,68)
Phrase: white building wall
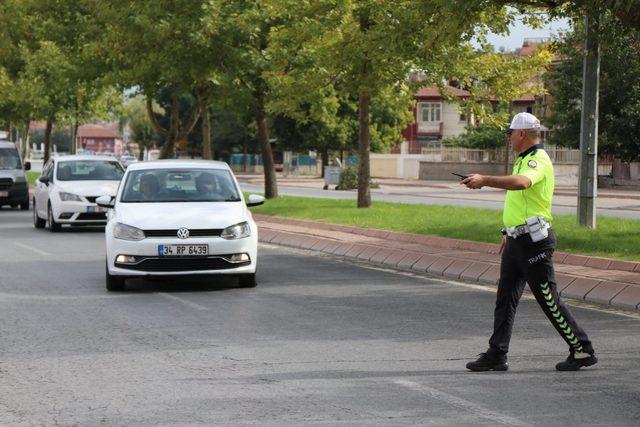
(453,126)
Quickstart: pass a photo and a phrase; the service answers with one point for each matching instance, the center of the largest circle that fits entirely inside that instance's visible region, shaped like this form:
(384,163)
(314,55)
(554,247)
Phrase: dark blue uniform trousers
(526,261)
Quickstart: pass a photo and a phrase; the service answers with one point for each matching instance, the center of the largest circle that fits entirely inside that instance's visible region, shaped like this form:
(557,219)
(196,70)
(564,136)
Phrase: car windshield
(89,170)
(9,159)
(180,185)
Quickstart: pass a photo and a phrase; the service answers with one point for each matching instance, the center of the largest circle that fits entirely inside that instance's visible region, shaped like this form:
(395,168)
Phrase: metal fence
(497,155)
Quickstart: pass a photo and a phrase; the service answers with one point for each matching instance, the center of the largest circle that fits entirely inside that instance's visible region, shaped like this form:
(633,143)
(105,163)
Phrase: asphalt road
(319,341)
(486,198)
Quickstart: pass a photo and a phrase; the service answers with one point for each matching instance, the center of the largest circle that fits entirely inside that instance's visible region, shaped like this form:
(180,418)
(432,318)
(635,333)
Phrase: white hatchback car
(179,217)
(67,190)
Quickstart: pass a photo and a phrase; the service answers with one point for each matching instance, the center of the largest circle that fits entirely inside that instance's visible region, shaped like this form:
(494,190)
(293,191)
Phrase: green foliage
(348,178)
(619,108)
(482,137)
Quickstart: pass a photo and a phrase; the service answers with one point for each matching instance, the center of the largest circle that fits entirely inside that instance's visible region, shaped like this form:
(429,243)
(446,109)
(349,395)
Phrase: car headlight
(237,231)
(127,232)
(69,197)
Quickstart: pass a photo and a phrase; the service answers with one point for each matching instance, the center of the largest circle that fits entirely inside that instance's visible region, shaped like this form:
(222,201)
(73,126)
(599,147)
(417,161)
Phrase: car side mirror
(44,180)
(106,201)
(27,166)
(255,200)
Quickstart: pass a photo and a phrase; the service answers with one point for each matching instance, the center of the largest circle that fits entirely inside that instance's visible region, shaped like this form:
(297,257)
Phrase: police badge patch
(532,164)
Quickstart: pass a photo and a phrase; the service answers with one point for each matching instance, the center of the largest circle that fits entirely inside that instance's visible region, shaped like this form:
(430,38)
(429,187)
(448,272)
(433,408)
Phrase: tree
(136,117)
(370,47)
(247,30)
(162,49)
(619,131)
(43,46)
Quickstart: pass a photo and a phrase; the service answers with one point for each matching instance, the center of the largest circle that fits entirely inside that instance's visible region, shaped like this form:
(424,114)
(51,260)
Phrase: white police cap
(524,121)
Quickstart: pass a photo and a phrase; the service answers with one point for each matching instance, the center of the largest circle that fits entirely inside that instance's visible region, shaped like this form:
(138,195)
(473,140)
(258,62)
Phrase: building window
(430,111)
(463,116)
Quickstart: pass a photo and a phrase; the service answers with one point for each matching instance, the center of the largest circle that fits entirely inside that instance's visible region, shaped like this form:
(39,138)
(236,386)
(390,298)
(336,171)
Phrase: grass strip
(32,176)
(613,237)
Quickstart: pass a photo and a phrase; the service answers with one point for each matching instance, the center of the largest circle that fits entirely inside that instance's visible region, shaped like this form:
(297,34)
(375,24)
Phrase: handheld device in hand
(459,176)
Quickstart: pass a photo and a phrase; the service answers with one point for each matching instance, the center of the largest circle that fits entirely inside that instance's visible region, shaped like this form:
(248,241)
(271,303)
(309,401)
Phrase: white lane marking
(31,248)
(183,301)
(473,408)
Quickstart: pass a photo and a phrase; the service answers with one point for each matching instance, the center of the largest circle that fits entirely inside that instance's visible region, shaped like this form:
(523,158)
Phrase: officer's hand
(502,243)
(474,180)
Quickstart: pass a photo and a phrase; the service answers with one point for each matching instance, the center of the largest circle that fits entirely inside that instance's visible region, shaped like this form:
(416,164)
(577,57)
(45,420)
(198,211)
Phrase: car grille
(6,184)
(92,216)
(173,264)
(210,232)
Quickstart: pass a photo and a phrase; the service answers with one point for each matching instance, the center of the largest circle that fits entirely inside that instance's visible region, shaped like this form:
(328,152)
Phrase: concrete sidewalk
(602,281)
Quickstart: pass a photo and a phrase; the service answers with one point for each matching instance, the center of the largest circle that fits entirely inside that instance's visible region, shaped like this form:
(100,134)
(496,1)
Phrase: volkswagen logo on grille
(183,233)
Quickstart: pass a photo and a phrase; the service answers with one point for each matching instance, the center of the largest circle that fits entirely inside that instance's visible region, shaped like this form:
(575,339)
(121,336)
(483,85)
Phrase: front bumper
(79,213)
(18,193)
(148,263)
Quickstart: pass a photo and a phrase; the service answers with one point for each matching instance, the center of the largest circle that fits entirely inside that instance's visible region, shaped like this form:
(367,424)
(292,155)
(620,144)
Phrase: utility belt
(537,228)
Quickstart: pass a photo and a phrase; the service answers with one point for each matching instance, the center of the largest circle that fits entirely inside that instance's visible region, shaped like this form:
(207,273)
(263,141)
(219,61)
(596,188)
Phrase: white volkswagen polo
(179,217)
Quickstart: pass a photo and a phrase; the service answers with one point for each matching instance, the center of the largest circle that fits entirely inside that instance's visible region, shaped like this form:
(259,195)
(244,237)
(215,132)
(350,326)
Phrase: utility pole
(588,182)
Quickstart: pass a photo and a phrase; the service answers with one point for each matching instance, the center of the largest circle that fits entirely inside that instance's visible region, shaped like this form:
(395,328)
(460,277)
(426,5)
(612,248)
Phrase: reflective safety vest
(519,205)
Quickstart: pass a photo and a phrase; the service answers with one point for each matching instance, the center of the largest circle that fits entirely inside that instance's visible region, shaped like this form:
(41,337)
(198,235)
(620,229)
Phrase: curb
(576,285)
(449,243)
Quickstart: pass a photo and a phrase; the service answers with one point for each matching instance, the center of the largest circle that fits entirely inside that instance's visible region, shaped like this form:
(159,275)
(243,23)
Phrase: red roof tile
(95,131)
(434,92)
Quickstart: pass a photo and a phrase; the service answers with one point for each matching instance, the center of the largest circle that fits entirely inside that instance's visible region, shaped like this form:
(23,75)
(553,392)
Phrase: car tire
(53,226)
(24,206)
(114,283)
(37,221)
(248,280)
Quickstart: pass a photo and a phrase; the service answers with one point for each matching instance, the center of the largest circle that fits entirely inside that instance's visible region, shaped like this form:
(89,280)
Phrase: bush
(349,179)
(481,137)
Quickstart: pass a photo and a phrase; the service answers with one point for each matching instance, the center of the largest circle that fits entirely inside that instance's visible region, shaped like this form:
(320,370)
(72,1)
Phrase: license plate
(4,194)
(93,209)
(178,250)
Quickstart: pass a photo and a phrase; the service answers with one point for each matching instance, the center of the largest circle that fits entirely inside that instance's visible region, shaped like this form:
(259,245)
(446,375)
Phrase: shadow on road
(181,284)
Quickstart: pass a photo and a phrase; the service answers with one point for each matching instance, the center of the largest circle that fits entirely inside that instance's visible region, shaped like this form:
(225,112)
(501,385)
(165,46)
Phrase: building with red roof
(98,139)
(436,115)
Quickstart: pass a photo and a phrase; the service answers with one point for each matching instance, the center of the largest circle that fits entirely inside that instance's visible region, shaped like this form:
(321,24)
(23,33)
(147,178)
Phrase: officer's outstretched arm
(507,182)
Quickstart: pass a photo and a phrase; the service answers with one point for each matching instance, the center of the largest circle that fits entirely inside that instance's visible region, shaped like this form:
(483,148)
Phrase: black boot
(574,363)
(489,362)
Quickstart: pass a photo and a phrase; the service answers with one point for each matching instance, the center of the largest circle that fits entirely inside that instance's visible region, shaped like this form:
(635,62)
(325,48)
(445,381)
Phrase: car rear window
(180,185)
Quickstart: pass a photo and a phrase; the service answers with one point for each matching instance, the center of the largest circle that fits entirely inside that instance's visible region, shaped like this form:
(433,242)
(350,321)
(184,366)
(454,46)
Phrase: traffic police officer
(527,248)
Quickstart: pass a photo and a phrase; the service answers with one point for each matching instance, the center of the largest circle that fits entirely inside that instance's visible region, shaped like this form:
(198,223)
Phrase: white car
(67,190)
(180,217)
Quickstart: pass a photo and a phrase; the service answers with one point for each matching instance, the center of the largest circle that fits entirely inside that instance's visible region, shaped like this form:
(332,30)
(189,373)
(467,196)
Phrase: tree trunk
(270,183)
(207,149)
(47,139)
(244,156)
(325,160)
(24,150)
(364,193)
(74,137)
(168,150)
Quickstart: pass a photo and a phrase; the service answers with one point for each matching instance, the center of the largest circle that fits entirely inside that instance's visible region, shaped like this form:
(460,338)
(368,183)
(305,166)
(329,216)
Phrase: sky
(519,32)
